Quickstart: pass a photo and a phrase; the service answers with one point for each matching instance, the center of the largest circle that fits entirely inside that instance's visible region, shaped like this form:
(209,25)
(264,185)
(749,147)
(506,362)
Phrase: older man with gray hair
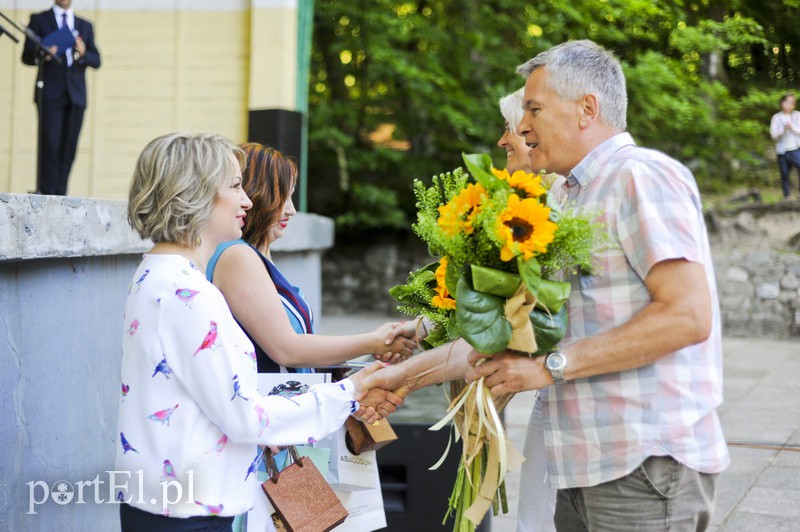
(629,399)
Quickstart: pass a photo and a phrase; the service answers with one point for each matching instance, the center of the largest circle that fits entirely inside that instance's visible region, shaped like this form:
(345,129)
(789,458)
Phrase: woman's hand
(375,403)
(383,391)
(396,342)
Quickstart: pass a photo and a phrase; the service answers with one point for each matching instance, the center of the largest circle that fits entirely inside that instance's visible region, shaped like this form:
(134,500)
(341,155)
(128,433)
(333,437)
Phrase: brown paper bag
(368,437)
(301,497)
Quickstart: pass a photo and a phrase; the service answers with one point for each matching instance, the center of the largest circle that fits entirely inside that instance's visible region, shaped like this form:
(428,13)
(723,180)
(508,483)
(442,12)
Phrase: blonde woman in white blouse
(190,417)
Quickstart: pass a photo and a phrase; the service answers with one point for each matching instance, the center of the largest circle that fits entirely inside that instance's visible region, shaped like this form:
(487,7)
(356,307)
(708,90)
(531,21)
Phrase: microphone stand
(38,96)
(6,32)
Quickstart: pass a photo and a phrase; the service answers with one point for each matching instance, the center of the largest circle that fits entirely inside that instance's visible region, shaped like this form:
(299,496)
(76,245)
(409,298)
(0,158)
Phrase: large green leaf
(495,282)
(480,318)
(548,329)
(479,166)
(549,294)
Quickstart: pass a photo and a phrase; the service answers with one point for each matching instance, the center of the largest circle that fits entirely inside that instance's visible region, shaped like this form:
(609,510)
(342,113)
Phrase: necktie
(69,50)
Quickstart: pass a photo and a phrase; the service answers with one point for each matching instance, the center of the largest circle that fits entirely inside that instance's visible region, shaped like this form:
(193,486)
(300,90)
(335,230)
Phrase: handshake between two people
(381,387)
(381,396)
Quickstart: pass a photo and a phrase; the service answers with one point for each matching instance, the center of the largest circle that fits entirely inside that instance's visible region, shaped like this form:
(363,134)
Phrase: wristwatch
(556,363)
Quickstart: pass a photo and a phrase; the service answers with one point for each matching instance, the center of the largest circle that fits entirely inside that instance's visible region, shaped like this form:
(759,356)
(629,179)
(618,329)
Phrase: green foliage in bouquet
(494,232)
(416,297)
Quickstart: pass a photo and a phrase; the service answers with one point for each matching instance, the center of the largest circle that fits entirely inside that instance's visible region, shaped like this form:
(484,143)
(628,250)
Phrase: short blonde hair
(175,183)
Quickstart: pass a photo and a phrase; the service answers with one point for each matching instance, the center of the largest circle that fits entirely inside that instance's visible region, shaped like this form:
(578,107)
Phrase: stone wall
(756,252)
(356,277)
(757,261)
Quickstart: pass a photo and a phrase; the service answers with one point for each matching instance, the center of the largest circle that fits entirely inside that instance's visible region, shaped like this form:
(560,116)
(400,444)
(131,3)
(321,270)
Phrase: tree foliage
(399,89)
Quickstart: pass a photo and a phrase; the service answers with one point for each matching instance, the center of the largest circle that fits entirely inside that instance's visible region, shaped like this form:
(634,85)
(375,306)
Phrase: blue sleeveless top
(298,310)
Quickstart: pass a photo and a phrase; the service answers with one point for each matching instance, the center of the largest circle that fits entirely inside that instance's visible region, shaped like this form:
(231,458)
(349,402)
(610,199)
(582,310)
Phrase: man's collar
(582,173)
(58,10)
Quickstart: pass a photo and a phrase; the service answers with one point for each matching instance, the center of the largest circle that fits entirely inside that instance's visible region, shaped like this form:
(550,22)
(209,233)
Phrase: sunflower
(458,215)
(529,184)
(442,299)
(524,228)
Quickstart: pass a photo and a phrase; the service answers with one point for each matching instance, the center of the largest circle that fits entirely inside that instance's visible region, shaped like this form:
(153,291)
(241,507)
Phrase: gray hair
(511,108)
(175,183)
(577,68)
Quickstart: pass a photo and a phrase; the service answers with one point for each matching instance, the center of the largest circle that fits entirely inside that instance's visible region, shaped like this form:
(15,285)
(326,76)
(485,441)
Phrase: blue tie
(68,51)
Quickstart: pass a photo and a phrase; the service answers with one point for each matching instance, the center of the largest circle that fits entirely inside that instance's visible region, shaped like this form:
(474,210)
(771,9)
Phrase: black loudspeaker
(414,497)
(281,129)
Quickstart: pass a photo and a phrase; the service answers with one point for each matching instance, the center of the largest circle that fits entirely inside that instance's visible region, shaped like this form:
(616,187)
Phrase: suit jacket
(58,78)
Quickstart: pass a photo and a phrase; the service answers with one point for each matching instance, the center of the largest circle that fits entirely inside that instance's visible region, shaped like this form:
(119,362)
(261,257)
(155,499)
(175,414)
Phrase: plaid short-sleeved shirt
(601,428)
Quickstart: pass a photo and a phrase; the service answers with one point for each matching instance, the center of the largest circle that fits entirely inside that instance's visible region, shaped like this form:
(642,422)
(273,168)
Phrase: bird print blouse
(189,413)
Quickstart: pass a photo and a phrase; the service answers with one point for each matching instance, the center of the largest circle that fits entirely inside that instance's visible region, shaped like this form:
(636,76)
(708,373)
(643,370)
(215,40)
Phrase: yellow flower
(442,298)
(459,213)
(525,228)
(530,185)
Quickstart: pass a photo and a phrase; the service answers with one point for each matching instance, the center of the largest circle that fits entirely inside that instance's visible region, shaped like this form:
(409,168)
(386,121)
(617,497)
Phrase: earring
(197,241)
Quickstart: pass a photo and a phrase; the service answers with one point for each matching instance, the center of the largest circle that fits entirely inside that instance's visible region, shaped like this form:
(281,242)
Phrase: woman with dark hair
(273,312)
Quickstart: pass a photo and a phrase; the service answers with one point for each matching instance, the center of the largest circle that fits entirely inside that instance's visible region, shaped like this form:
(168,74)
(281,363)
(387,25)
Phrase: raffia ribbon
(517,311)
(491,482)
(479,425)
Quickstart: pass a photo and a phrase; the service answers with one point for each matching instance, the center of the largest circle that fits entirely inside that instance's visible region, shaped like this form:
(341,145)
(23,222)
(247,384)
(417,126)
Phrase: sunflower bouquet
(502,243)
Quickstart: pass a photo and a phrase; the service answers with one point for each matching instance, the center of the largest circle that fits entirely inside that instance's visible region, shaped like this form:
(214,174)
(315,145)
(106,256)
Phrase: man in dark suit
(60,93)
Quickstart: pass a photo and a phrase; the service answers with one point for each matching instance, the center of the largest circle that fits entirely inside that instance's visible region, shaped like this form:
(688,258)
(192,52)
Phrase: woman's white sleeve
(212,358)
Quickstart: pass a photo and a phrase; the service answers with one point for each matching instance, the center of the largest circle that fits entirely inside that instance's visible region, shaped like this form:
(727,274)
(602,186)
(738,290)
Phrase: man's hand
(388,378)
(509,373)
(79,48)
(53,52)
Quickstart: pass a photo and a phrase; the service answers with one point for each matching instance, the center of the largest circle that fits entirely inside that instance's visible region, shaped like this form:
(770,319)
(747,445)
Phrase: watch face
(555,360)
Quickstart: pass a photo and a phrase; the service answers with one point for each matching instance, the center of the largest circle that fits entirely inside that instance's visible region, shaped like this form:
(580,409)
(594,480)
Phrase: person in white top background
(785,131)
(190,418)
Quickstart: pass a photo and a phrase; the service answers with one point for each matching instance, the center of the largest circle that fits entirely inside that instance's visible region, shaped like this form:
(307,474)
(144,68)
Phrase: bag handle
(272,467)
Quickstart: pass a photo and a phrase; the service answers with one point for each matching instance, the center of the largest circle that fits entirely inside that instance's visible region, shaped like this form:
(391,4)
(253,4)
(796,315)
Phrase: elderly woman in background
(190,417)
(517,151)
